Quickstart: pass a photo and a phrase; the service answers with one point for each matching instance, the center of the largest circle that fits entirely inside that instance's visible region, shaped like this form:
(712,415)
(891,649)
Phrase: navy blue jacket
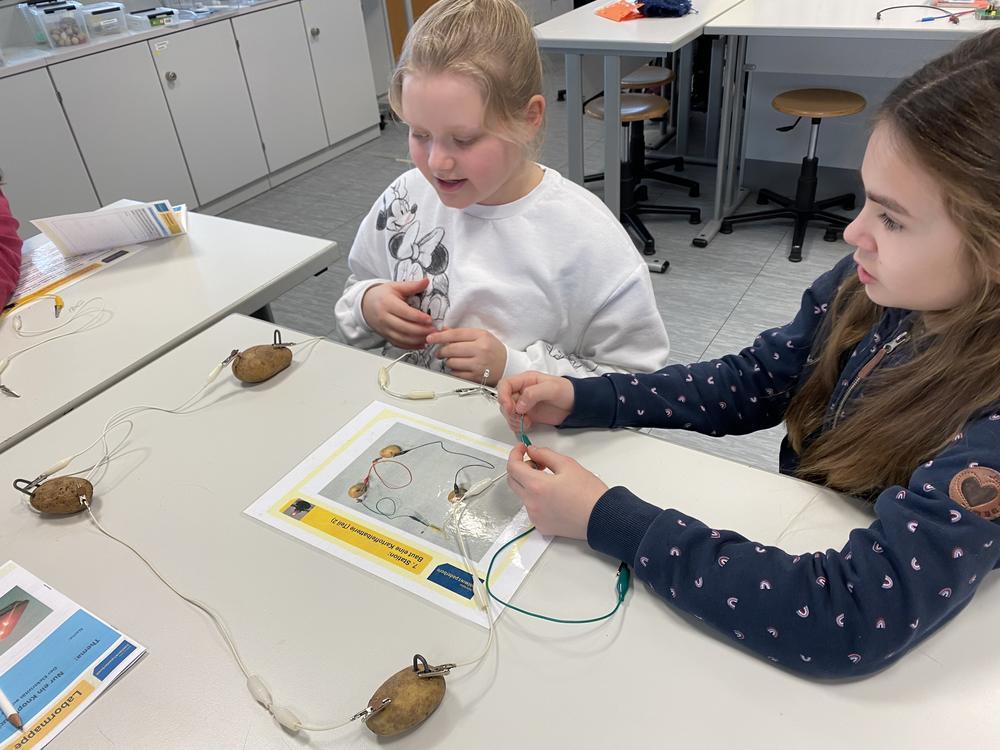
(831,614)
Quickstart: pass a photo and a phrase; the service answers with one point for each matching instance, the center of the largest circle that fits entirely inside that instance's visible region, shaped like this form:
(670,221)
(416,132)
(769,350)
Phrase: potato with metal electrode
(260,363)
(412,698)
(60,496)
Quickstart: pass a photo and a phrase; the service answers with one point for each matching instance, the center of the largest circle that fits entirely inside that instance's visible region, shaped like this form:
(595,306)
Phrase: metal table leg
(612,132)
(714,100)
(684,98)
(574,116)
(727,194)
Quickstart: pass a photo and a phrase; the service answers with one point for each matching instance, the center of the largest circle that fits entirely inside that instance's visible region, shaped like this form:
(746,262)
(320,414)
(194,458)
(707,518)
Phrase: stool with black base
(803,208)
(646,166)
(636,109)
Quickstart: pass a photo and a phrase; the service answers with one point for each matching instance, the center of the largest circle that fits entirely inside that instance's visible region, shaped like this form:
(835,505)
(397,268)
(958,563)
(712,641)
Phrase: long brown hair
(946,117)
(492,43)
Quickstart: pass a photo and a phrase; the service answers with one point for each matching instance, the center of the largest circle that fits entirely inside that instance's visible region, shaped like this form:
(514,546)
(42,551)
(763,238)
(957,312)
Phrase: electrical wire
(942,12)
(255,684)
(383,384)
(621,588)
(94,318)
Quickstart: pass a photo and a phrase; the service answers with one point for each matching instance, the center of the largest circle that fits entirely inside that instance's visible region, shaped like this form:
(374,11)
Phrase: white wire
(383,384)
(75,311)
(474,491)
(220,624)
(120,419)
(96,319)
(123,418)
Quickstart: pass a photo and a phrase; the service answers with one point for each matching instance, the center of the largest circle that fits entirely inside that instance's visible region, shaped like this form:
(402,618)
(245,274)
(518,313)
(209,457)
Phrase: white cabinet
(340,58)
(275,54)
(207,94)
(42,170)
(123,127)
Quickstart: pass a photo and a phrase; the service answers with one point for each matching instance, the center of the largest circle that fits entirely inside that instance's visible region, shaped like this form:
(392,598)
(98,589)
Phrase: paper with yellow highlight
(384,493)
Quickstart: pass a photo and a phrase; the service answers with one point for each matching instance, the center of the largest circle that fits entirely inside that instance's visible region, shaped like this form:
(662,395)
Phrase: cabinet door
(123,127)
(340,54)
(279,72)
(43,173)
(202,78)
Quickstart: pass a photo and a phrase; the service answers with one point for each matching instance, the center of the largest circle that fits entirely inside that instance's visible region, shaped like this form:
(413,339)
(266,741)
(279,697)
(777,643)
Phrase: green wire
(621,588)
(621,585)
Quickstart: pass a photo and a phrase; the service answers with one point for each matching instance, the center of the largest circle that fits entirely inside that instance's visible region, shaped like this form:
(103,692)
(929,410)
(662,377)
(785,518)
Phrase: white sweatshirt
(552,275)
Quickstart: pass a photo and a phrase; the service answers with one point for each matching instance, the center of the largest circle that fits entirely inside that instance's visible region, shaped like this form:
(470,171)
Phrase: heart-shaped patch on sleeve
(978,489)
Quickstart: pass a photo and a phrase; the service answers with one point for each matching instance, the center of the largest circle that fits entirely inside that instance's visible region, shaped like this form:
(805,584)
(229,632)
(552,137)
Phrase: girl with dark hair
(887,383)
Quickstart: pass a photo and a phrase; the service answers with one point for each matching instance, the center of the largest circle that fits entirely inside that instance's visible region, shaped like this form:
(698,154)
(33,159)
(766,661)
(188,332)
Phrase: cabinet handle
(314,31)
(171,76)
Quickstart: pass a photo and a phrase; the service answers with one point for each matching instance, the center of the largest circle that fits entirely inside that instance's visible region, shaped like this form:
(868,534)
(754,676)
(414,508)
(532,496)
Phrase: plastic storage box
(104,19)
(152,18)
(63,25)
(31,17)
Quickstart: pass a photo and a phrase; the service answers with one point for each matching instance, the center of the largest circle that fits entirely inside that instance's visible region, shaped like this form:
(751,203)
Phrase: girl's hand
(541,398)
(470,352)
(559,503)
(386,311)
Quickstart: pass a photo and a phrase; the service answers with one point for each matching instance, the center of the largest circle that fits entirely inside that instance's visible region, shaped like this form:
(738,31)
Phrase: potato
(61,496)
(260,363)
(390,451)
(357,491)
(413,700)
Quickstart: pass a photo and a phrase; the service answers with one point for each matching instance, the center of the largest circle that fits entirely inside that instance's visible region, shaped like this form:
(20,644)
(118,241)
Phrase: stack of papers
(55,658)
(76,234)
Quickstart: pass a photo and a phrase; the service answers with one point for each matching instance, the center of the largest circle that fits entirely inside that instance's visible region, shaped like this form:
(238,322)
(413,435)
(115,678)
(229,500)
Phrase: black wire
(392,514)
(480,463)
(944,12)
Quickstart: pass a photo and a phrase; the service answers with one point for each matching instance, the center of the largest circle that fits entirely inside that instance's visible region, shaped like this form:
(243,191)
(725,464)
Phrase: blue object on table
(666,8)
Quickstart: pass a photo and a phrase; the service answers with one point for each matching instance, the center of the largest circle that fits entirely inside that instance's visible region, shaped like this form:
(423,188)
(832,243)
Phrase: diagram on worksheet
(386,492)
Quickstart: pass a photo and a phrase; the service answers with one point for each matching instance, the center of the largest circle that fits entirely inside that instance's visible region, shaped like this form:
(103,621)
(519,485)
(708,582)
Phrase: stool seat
(819,103)
(635,107)
(648,77)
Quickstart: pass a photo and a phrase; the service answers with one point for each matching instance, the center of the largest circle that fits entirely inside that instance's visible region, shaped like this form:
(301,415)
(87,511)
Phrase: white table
(326,634)
(845,19)
(581,32)
(163,295)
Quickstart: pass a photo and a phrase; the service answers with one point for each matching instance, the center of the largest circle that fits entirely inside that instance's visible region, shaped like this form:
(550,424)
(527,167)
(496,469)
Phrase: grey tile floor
(713,300)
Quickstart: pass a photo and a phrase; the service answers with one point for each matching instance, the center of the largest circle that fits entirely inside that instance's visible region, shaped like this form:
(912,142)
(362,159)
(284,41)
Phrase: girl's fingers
(399,309)
(401,329)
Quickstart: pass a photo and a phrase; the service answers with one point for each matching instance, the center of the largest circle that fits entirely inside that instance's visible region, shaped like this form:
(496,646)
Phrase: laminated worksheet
(55,658)
(385,493)
(45,270)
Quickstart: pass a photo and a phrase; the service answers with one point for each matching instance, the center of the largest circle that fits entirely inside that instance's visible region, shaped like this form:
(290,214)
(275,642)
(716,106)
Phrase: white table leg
(612,132)
(574,116)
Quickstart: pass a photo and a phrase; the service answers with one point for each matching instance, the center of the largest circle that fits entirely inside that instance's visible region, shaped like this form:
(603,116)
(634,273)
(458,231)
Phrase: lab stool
(815,104)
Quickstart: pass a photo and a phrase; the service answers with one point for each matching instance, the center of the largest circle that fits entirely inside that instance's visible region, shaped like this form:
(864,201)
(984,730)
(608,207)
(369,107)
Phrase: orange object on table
(621,10)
